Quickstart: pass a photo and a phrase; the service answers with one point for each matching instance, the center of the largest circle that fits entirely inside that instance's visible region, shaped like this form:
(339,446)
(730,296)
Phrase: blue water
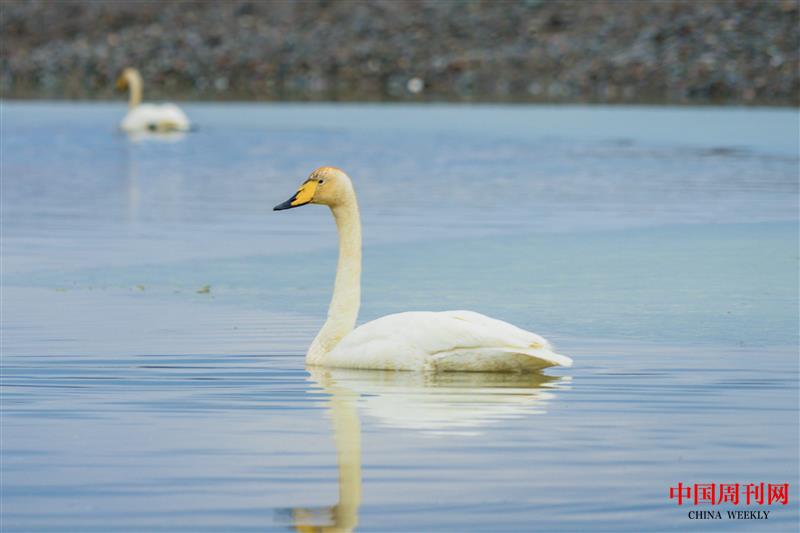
(156,311)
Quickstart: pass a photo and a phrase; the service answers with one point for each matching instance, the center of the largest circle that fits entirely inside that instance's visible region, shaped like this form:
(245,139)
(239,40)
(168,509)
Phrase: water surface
(155,315)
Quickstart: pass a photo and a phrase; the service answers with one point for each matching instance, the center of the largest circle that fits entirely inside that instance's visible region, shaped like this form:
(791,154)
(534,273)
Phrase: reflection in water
(133,193)
(445,403)
(163,136)
(153,189)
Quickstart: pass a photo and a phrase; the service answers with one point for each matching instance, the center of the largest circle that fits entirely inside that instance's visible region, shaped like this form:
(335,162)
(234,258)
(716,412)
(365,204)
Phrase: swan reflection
(458,403)
(155,136)
(443,403)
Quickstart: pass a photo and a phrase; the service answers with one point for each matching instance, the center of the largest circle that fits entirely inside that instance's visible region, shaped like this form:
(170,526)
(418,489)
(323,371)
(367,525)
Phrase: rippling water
(155,315)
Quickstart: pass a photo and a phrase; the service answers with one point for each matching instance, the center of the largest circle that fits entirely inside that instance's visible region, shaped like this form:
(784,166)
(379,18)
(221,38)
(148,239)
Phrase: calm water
(156,313)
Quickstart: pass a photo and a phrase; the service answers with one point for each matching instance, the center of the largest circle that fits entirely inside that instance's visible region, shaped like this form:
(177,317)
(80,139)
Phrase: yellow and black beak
(303,196)
(122,83)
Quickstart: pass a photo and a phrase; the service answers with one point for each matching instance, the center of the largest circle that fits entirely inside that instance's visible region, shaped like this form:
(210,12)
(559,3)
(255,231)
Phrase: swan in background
(420,340)
(141,117)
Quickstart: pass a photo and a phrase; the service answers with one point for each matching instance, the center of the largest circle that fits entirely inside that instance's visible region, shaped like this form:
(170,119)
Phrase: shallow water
(656,246)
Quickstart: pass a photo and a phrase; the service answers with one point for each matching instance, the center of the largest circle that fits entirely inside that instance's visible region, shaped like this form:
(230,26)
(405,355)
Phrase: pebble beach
(669,52)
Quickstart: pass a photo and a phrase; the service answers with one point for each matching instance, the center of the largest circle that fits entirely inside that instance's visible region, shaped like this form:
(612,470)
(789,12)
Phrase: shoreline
(604,51)
(189,99)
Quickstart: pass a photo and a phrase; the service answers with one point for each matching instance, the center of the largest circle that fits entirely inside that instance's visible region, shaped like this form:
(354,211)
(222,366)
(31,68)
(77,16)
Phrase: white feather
(155,117)
(444,341)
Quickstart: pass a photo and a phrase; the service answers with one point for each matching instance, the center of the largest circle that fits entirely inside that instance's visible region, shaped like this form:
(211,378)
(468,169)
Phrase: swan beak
(303,196)
(121,83)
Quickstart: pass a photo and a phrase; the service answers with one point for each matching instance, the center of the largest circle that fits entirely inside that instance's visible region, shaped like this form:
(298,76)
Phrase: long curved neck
(135,94)
(343,310)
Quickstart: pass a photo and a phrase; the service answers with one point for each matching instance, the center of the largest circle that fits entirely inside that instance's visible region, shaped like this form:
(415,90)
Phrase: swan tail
(544,354)
(498,359)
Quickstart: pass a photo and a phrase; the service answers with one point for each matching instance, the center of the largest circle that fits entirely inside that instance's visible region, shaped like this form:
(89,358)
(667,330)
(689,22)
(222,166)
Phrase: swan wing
(155,117)
(448,340)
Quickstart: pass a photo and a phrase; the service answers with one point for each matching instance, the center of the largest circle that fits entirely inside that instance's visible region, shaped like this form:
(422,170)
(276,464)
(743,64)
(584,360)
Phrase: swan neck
(346,300)
(135,90)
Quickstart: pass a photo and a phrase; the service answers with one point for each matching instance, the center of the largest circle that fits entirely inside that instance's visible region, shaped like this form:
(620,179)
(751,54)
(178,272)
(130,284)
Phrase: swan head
(128,77)
(326,186)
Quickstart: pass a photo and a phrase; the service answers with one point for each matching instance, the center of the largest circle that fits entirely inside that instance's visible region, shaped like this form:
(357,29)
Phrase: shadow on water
(437,404)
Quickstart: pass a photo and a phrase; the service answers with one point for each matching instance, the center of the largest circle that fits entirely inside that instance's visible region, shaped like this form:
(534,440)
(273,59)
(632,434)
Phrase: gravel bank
(713,51)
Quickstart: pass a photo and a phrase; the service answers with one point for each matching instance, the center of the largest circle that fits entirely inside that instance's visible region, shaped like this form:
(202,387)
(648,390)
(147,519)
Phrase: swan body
(444,341)
(155,118)
(141,117)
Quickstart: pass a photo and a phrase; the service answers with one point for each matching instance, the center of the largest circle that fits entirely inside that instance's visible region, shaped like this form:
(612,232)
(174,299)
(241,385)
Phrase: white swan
(148,117)
(422,340)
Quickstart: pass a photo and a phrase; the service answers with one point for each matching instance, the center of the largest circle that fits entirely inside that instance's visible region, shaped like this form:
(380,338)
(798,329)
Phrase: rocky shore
(623,51)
